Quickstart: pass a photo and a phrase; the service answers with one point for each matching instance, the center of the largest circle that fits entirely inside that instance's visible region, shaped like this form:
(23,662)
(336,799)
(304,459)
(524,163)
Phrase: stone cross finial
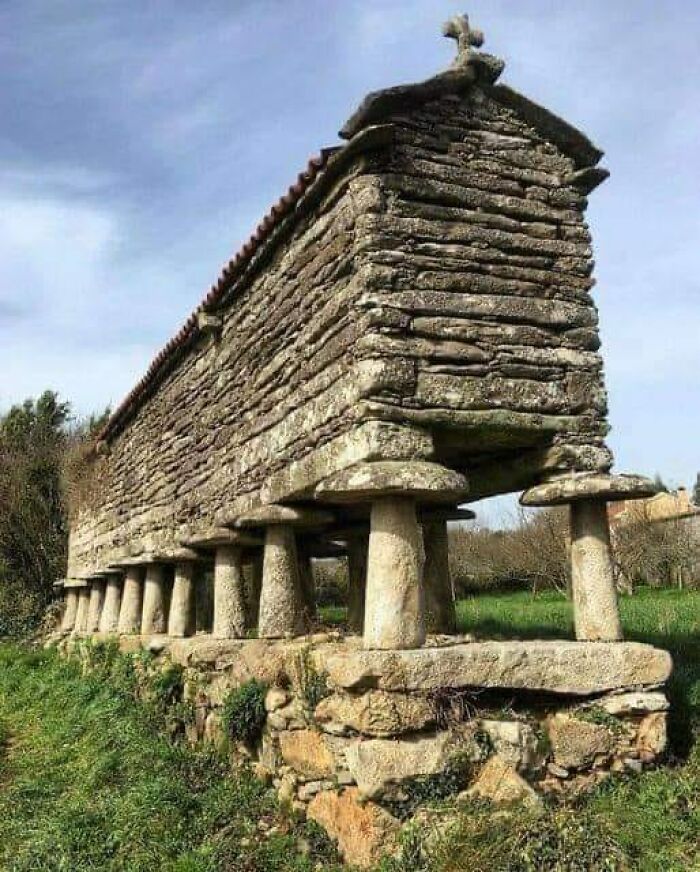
(467,37)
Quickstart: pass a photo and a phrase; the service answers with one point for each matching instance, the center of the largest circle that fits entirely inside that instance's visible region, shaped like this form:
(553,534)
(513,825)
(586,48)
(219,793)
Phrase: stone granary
(409,329)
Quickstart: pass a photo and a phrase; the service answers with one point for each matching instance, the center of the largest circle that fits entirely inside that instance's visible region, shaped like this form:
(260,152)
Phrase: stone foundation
(355,738)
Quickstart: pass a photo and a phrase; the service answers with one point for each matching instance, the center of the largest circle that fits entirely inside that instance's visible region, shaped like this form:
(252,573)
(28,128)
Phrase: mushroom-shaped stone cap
(593,486)
(424,481)
(440,513)
(72,583)
(275,515)
(161,555)
(215,537)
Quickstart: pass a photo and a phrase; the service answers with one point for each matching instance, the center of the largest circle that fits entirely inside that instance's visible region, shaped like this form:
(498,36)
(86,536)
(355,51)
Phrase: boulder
(635,703)
(376,713)
(577,743)
(515,743)
(651,736)
(363,831)
(379,765)
(275,698)
(307,753)
(554,666)
(499,782)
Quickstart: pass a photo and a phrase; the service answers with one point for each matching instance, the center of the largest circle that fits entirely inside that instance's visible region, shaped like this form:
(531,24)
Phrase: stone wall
(480,279)
(431,301)
(280,381)
(362,741)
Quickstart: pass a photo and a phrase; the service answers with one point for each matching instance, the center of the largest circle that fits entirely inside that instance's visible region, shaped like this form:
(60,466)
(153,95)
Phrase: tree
(33,530)
(696,490)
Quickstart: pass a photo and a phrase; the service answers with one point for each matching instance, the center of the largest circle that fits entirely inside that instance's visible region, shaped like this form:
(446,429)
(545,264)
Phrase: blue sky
(142,141)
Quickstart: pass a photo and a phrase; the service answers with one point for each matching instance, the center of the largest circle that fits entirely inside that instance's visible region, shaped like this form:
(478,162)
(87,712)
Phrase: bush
(243,714)
(532,555)
(331,582)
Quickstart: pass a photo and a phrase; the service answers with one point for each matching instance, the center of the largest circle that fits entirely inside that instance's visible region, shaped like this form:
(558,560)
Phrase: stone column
(97,592)
(281,601)
(154,615)
(81,617)
(130,611)
(596,612)
(256,574)
(204,601)
(357,581)
(394,607)
(440,615)
(229,593)
(181,619)
(306,580)
(109,620)
(70,611)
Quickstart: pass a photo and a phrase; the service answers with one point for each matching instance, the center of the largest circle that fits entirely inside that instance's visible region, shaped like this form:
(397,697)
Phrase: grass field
(88,782)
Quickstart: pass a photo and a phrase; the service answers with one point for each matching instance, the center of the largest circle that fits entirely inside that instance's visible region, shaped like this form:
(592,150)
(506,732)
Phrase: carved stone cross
(458,28)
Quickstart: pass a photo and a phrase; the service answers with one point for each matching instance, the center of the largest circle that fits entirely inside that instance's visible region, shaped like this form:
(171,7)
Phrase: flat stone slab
(264,516)
(556,666)
(586,487)
(576,668)
(428,482)
(214,537)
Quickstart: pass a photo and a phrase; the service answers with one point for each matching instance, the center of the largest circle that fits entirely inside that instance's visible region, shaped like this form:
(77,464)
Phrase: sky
(142,142)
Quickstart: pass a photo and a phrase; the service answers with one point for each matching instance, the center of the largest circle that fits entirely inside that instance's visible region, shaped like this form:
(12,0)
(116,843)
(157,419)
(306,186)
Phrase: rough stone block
(577,668)
(375,713)
(363,830)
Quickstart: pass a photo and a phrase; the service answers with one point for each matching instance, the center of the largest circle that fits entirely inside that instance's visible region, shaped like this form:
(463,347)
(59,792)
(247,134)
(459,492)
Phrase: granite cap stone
(603,486)
(420,479)
(275,514)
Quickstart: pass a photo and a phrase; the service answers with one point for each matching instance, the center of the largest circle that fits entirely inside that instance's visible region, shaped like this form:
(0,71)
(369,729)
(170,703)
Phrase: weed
(594,714)
(243,713)
(313,685)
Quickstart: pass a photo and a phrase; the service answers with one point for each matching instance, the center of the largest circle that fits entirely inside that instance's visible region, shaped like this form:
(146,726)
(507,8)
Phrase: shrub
(243,714)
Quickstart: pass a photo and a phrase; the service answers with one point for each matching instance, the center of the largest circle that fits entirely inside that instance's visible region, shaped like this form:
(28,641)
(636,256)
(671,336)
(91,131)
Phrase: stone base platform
(353,738)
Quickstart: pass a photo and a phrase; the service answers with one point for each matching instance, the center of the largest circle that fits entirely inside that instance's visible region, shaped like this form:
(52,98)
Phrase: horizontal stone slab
(551,666)
(563,667)
(213,537)
(585,487)
(265,516)
(419,479)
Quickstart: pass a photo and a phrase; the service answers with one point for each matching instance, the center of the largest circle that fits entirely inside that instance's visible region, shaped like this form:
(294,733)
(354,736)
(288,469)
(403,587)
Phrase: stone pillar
(394,608)
(281,602)
(229,593)
(97,592)
(440,615)
(70,611)
(203,601)
(81,616)
(256,574)
(181,620)
(154,615)
(306,581)
(130,611)
(109,620)
(596,613)
(357,581)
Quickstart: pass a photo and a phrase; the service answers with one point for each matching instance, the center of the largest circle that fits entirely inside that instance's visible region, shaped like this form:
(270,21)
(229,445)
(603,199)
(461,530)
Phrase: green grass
(87,782)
